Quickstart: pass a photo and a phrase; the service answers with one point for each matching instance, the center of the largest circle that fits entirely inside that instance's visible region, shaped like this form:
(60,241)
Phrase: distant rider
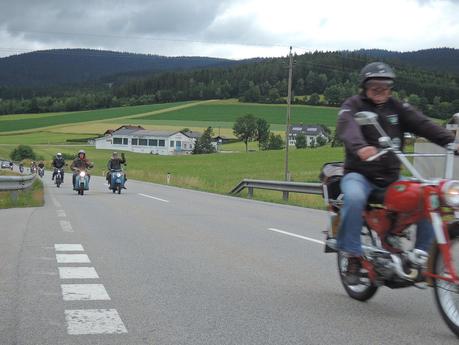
(58,163)
(80,163)
(33,167)
(115,164)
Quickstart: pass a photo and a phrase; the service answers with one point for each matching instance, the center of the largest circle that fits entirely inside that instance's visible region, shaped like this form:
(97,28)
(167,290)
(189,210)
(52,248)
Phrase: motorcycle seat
(376,196)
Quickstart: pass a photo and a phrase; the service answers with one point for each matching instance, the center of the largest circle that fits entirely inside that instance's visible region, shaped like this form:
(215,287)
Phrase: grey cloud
(81,21)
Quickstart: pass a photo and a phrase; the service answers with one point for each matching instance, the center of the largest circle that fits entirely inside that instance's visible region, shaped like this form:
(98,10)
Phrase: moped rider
(58,163)
(361,177)
(114,163)
(33,167)
(80,163)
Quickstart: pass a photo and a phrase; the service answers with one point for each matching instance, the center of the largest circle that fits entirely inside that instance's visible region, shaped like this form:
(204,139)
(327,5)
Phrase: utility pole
(287,124)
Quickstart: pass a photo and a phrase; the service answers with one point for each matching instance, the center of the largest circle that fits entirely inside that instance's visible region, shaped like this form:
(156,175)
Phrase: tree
(275,142)
(245,129)
(22,152)
(204,143)
(336,141)
(262,132)
(314,99)
(321,140)
(300,141)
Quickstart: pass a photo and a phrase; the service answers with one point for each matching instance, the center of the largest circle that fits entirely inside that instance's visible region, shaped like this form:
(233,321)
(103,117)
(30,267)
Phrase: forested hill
(437,59)
(69,66)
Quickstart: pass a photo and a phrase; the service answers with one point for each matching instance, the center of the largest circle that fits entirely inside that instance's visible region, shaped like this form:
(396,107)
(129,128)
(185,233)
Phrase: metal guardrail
(281,186)
(16,182)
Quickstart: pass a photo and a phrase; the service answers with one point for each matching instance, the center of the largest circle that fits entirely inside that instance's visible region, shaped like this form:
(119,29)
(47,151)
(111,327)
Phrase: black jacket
(395,118)
(115,163)
(58,163)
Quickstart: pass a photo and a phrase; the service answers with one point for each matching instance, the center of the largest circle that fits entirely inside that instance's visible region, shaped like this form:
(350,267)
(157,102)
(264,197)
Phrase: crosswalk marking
(78,273)
(94,321)
(72,258)
(84,292)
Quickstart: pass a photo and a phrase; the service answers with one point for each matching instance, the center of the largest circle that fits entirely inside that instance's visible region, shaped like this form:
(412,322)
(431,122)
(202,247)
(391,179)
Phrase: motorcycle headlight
(450,191)
(82,174)
(118,174)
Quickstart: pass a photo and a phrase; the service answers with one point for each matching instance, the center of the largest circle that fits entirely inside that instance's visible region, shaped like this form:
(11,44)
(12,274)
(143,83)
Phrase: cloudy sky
(227,28)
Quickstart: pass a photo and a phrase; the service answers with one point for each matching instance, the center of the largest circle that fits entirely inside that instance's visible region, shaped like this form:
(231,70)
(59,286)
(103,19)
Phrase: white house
(311,132)
(137,139)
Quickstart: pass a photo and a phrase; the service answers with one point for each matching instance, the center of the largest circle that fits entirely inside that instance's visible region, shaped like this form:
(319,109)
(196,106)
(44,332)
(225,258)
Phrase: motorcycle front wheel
(446,293)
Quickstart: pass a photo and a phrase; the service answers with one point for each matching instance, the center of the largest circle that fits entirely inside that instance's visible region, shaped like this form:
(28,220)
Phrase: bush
(275,142)
(300,141)
(23,152)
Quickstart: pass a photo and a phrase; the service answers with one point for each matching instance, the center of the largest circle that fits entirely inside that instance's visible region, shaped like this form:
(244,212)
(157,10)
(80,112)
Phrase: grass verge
(32,197)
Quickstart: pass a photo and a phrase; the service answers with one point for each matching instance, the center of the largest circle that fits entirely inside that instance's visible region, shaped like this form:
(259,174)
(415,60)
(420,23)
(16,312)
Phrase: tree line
(319,78)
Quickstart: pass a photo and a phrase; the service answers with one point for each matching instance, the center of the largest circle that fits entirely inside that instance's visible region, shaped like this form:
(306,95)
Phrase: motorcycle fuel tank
(403,196)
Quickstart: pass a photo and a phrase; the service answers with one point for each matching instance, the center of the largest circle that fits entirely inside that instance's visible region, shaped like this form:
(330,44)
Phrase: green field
(225,114)
(217,173)
(27,122)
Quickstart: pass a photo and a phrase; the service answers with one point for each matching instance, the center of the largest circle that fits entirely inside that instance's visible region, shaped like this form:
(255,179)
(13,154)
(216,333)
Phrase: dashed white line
(152,197)
(72,258)
(55,202)
(68,248)
(297,236)
(61,213)
(66,226)
(84,292)
(94,321)
(78,273)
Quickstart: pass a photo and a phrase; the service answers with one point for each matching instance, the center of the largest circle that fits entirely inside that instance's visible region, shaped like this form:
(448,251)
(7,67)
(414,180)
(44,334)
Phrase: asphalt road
(163,265)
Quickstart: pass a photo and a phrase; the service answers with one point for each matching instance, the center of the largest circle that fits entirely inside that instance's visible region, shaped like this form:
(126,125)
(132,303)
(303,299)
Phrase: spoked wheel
(361,292)
(446,293)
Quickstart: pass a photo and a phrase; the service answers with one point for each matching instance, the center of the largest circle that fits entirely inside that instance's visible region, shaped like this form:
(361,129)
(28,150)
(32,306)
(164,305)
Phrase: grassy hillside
(228,112)
(28,122)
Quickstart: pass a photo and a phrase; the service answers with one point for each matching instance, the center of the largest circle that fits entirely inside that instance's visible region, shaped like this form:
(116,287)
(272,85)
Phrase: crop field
(225,113)
(30,122)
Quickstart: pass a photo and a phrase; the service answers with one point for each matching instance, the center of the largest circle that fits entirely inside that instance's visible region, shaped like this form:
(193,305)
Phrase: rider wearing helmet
(58,163)
(361,177)
(80,163)
(114,163)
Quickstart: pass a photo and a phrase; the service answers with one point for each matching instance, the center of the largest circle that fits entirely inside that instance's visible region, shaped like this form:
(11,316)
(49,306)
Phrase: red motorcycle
(390,217)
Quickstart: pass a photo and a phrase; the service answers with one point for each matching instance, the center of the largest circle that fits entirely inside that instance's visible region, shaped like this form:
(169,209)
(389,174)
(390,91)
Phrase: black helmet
(376,70)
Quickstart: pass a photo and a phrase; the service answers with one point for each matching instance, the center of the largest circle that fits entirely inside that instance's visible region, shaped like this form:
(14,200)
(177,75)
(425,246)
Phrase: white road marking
(297,236)
(84,292)
(61,213)
(66,226)
(55,202)
(78,273)
(152,197)
(68,248)
(72,258)
(94,321)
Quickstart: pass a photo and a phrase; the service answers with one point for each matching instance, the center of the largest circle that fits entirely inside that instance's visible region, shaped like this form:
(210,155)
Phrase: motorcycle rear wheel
(447,294)
(362,292)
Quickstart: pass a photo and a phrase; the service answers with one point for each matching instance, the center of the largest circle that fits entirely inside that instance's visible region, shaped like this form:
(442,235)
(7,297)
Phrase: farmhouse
(311,132)
(138,139)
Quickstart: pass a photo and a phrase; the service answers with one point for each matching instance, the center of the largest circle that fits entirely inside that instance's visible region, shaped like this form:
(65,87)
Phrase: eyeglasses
(376,90)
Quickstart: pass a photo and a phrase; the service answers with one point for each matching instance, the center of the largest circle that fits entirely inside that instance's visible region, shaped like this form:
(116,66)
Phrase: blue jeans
(356,189)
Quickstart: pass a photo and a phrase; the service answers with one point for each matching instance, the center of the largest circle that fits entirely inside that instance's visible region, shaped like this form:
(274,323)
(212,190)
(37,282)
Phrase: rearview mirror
(365,118)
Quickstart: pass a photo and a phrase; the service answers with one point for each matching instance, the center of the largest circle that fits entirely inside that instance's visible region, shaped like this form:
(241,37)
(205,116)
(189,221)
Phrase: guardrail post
(250,192)
(285,196)
(14,197)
